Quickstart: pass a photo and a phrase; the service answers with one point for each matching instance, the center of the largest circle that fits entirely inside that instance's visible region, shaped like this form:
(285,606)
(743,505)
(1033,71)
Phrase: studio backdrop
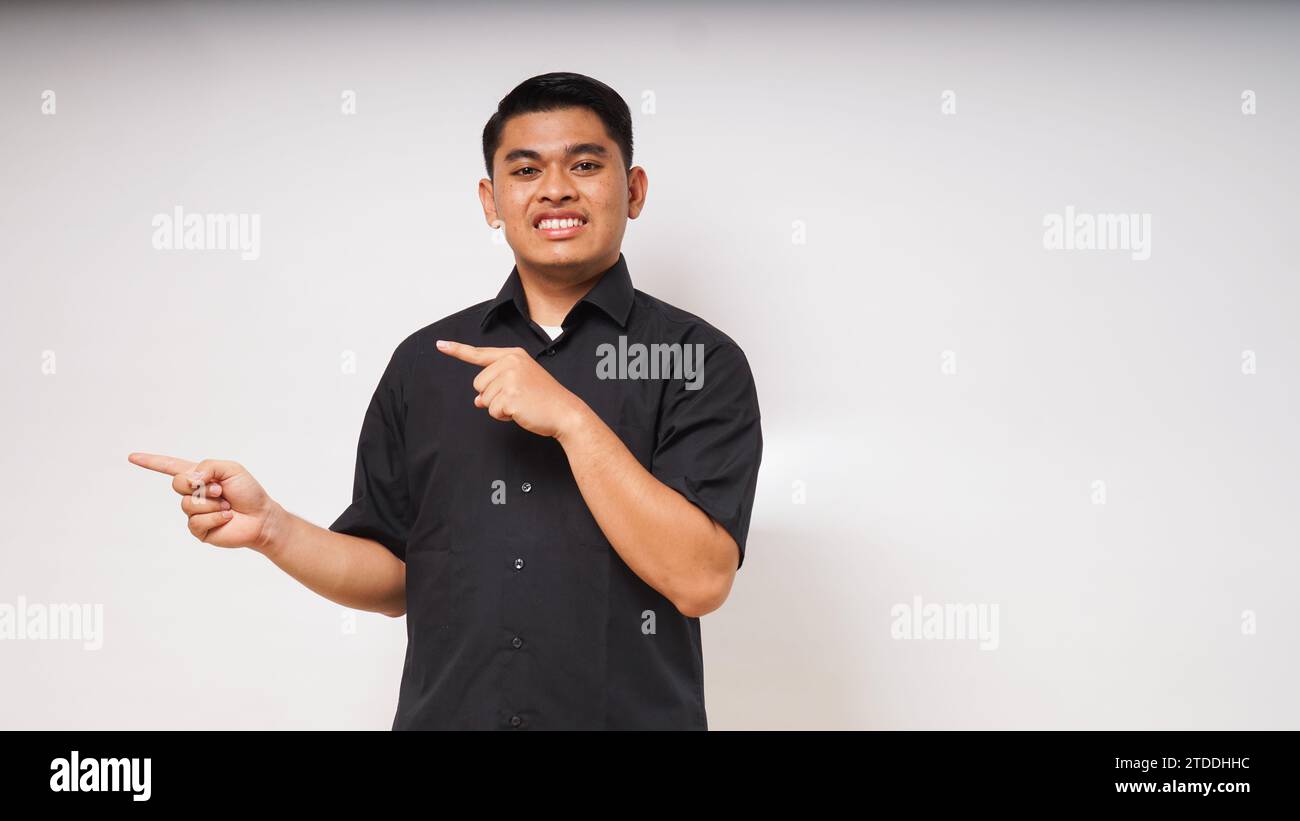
(1017,283)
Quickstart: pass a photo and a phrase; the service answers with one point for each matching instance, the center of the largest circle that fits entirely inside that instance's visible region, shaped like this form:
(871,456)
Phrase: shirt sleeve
(381,505)
(710,441)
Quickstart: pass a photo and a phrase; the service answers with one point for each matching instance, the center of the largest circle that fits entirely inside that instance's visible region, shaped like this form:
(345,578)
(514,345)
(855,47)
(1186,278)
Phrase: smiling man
(553,528)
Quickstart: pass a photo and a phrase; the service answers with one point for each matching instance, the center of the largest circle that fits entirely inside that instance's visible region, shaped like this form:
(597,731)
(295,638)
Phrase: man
(552,485)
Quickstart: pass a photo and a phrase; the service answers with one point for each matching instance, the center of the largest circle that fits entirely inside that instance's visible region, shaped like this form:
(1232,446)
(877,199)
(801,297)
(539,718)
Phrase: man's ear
(637,186)
(488,198)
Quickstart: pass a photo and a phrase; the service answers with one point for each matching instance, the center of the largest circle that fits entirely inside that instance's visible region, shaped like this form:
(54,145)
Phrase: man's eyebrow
(569,151)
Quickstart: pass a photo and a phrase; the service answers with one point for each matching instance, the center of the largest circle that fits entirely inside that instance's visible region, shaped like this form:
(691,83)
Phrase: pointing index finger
(471,354)
(170,465)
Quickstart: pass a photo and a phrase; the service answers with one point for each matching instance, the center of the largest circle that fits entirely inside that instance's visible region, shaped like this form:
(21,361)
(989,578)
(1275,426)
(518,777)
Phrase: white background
(924,235)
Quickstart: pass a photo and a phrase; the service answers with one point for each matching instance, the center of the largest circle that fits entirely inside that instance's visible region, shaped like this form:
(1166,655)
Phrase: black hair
(558,90)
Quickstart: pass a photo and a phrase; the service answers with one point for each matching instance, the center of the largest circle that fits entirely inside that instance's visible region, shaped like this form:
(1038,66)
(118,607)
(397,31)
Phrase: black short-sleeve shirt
(520,614)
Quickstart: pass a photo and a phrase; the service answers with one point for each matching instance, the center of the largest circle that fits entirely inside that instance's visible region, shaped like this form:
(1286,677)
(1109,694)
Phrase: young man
(552,485)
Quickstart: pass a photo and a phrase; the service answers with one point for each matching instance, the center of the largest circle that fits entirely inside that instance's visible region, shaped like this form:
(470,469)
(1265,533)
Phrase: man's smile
(559,224)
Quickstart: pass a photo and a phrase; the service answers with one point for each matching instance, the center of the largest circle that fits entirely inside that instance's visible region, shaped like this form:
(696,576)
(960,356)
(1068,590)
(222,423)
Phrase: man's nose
(557,187)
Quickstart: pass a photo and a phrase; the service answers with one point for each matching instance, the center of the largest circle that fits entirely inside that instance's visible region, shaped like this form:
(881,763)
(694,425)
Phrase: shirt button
(519,564)
(550,352)
(526,487)
(515,721)
(517,642)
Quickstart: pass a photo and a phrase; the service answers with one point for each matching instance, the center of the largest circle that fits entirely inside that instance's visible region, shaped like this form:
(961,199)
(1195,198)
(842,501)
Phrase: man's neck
(551,296)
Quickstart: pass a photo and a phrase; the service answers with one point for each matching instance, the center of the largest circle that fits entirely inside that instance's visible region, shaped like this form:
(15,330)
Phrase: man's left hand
(513,387)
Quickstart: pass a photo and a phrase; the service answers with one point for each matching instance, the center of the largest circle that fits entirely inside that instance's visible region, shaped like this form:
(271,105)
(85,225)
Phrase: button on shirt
(520,614)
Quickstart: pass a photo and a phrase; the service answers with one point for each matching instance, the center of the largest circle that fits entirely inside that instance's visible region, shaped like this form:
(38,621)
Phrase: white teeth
(554,224)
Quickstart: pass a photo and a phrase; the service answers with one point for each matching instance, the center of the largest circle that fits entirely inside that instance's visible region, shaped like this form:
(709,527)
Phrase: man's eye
(520,172)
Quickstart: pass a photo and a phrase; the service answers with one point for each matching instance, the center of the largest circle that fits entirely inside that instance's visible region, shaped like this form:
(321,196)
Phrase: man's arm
(671,544)
(227,507)
(351,571)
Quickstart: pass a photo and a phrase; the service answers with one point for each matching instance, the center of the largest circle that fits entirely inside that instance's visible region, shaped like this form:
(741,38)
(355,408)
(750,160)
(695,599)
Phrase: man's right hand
(225,505)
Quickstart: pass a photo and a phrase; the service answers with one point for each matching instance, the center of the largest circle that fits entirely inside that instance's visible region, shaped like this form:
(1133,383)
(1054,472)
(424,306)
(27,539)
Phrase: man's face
(561,164)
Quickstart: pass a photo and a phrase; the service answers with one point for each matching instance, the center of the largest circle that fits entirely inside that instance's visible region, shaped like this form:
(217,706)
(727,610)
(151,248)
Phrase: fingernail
(227,514)
(442,344)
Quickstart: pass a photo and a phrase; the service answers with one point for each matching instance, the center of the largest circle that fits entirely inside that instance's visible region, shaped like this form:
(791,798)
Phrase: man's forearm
(354,572)
(666,540)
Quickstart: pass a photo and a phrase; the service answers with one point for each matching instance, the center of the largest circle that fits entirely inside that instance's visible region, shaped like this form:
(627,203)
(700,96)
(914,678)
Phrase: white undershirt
(553,330)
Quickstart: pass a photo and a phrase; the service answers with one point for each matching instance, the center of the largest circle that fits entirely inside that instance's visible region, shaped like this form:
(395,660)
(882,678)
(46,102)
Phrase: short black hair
(554,91)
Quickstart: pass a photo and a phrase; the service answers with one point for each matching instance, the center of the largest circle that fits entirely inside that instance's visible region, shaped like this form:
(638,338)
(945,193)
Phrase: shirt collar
(612,293)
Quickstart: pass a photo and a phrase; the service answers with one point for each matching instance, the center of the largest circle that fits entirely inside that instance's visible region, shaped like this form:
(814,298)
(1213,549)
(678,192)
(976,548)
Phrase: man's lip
(559,215)
(562,233)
